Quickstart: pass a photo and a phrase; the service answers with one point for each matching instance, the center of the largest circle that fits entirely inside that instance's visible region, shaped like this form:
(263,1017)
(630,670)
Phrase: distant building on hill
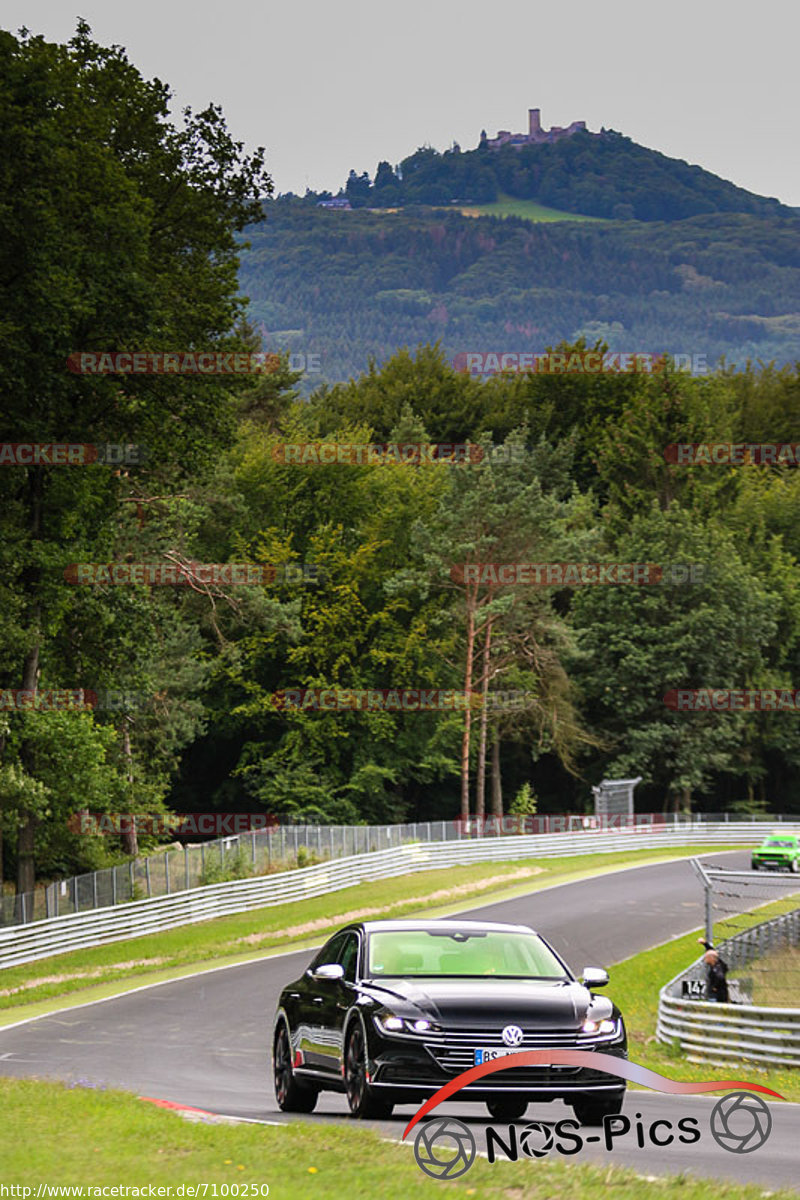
(535,136)
(337,202)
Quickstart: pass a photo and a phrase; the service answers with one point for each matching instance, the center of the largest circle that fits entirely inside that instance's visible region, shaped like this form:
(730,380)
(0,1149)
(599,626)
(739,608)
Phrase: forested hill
(598,174)
(347,286)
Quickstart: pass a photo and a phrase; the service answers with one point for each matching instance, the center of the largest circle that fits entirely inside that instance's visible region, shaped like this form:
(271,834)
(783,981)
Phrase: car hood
(471,1003)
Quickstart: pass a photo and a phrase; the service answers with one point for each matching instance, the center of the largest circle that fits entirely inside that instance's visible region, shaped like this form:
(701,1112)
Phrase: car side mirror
(328,971)
(594,977)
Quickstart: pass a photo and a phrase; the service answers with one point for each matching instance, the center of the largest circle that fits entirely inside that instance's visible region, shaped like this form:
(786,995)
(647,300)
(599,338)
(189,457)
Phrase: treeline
(355,286)
(598,175)
(377,598)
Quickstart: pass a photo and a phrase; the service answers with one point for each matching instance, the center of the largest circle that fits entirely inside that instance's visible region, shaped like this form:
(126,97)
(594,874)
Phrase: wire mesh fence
(763,956)
(284,847)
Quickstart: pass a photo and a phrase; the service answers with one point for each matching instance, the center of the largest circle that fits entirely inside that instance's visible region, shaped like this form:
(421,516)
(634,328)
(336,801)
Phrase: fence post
(130,865)
(147,876)
(709,913)
(166,869)
(253,845)
(94,887)
(113,885)
(74,893)
(186,866)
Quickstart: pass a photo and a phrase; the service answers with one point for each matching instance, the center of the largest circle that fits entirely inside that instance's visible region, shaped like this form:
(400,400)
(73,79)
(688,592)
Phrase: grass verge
(636,982)
(76,1136)
(507,206)
(41,986)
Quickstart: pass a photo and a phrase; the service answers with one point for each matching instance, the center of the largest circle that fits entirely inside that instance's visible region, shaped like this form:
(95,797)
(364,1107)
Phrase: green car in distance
(776,852)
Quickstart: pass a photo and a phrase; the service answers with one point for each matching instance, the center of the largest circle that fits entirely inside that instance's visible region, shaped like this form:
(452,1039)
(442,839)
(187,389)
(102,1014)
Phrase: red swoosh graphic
(609,1063)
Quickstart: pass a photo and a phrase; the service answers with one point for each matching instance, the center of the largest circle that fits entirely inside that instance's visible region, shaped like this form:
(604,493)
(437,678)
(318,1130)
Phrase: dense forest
(570,469)
(349,287)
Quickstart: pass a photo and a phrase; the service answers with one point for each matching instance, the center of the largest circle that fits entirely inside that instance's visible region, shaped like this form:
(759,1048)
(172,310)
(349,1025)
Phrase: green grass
(636,982)
(772,979)
(78,1136)
(37,987)
(507,206)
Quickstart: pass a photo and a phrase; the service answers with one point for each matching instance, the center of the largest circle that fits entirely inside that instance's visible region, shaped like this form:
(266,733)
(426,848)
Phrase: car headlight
(394,1024)
(599,1027)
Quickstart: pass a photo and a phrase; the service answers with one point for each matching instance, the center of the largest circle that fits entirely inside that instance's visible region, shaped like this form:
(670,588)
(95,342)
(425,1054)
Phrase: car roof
(452,926)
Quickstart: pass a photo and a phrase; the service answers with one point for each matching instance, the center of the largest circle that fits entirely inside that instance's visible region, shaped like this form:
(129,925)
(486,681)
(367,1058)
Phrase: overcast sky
(327,85)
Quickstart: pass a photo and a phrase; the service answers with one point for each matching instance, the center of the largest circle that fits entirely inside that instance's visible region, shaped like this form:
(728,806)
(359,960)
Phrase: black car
(390,1011)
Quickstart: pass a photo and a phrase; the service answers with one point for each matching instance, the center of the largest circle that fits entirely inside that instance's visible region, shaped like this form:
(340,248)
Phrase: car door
(312,1028)
(338,998)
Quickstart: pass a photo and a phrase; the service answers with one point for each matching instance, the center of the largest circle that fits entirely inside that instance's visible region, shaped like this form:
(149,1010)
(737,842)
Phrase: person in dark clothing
(716,970)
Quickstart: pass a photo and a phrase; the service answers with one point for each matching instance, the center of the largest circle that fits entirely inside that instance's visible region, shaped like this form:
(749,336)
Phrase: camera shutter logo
(444,1148)
(536,1139)
(741,1122)
(512,1035)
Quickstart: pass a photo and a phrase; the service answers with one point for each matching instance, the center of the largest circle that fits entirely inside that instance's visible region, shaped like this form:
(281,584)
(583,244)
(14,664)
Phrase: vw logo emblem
(512,1035)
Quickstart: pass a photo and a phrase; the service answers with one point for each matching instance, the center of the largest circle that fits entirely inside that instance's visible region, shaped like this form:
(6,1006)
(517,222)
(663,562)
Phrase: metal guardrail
(285,847)
(41,939)
(722,1034)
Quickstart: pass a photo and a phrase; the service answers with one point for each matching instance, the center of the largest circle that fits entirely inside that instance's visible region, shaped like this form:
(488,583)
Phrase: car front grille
(454,1061)
(455,1051)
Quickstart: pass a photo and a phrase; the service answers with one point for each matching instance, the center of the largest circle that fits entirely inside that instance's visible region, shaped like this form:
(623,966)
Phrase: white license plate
(484,1056)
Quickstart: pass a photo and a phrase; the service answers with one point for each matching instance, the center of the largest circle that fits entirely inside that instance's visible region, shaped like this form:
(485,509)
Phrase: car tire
(291,1095)
(753,866)
(361,1098)
(590,1110)
(507,1108)
(793,866)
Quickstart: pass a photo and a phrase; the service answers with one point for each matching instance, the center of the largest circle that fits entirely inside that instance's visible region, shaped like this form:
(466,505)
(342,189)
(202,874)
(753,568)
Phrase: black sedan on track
(389,1011)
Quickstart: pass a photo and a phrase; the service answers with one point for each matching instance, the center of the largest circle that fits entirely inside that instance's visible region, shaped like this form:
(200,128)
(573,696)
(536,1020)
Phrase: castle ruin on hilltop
(535,136)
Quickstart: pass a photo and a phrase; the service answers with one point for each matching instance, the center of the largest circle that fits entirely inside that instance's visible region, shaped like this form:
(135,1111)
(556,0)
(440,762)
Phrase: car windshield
(458,953)
(782,842)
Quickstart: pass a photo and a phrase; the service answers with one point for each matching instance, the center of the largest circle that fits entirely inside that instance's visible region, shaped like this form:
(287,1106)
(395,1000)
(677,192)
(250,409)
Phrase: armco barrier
(283,846)
(723,1034)
(41,939)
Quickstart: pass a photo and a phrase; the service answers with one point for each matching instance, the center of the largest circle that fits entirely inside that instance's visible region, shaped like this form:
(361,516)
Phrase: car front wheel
(590,1110)
(291,1095)
(361,1097)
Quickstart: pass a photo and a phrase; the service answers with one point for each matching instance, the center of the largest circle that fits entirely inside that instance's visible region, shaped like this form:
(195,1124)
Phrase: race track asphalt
(203,1041)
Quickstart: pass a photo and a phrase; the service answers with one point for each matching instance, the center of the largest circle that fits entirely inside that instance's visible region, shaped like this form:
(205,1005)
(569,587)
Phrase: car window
(330,951)
(348,956)
(413,952)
